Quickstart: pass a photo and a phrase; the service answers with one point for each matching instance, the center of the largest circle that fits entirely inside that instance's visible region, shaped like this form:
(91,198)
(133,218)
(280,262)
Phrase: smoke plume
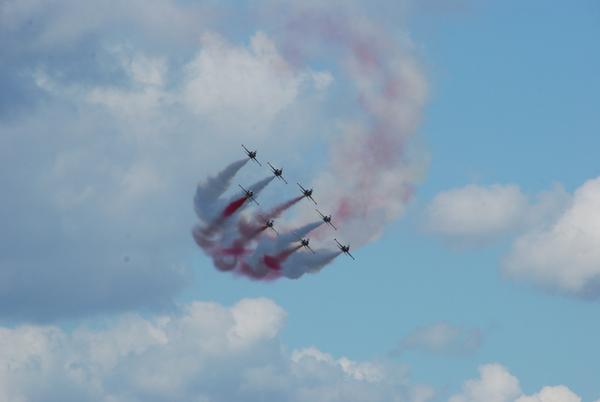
(372,170)
(239,243)
(370,176)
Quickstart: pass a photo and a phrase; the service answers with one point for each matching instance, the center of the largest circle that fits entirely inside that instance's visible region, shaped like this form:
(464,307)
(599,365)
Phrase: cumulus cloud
(69,36)
(497,384)
(203,352)
(564,255)
(552,394)
(442,338)
(97,215)
(113,112)
(556,232)
(474,214)
(253,84)
(66,22)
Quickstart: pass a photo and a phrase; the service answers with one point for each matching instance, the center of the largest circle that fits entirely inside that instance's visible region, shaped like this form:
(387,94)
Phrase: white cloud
(222,80)
(122,145)
(552,394)
(252,324)
(497,384)
(203,352)
(233,91)
(64,23)
(557,232)
(475,215)
(146,70)
(564,255)
(442,338)
(125,105)
(253,84)
(367,371)
(322,79)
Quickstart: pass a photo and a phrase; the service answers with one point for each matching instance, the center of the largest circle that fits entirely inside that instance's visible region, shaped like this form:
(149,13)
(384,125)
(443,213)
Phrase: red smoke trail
(278,210)
(238,249)
(214,226)
(246,270)
(373,189)
(250,230)
(234,206)
(274,262)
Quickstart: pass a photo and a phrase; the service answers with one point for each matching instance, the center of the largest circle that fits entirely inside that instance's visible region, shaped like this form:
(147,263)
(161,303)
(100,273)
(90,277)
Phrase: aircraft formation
(306,193)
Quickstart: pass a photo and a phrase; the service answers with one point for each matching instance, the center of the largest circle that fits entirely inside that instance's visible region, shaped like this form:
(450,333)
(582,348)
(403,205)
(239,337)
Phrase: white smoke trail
(302,263)
(212,188)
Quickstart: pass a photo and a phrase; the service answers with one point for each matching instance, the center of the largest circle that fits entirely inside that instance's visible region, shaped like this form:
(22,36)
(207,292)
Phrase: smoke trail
(233,206)
(248,231)
(240,200)
(275,261)
(236,244)
(278,210)
(250,228)
(297,234)
(228,208)
(372,169)
(301,263)
(259,186)
(212,188)
(371,176)
(274,246)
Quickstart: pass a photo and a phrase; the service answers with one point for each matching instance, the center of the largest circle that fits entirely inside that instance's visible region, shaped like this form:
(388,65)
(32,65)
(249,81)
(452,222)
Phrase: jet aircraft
(345,249)
(326,219)
(304,243)
(277,172)
(307,192)
(249,194)
(269,224)
(251,155)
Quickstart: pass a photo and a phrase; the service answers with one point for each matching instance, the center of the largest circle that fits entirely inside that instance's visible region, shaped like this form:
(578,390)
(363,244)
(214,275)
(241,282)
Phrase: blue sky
(488,275)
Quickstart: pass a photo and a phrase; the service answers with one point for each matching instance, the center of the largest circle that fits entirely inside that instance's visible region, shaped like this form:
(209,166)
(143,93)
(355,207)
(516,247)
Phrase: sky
(454,143)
